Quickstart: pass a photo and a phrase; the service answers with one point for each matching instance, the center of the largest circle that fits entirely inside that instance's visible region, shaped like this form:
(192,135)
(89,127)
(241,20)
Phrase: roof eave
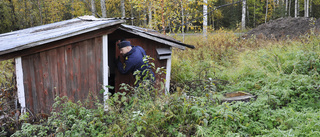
(44,41)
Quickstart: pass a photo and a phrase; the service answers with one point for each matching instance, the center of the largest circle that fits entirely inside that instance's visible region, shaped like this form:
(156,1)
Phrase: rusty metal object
(238,96)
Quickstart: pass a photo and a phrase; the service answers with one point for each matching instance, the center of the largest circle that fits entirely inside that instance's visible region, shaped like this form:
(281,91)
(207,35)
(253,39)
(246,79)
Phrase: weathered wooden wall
(71,70)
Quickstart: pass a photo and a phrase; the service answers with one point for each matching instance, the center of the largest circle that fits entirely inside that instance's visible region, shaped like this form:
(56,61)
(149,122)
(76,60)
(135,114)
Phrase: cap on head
(124,44)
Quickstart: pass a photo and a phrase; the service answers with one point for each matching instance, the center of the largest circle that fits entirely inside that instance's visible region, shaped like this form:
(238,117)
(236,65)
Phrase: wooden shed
(74,57)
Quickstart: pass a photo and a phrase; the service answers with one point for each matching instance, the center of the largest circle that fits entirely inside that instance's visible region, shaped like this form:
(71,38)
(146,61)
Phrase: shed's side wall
(71,70)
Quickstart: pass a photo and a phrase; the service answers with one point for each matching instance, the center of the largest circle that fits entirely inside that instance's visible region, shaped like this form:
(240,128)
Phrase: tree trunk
(254,14)
(72,9)
(286,8)
(182,19)
(296,8)
(289,8)
(93,8)
(131,10)
(205,19)
(123,10)
(150,15)
(40,12)
(13,17)
(310,8)
(103,8)
(307,8)
(144,17)
(243,20)
(265,19)
(162,18)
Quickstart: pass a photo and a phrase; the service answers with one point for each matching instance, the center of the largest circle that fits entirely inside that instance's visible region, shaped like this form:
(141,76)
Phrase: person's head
(124,47)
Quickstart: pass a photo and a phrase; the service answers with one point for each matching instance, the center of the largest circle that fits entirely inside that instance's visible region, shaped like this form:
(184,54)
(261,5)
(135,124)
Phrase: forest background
(168,15)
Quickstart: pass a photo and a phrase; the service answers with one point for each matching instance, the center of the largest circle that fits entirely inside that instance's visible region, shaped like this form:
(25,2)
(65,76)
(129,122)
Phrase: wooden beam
(168,73)
(20,85)
(105,69)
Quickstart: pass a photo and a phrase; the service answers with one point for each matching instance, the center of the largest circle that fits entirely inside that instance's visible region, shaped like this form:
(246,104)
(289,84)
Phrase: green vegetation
(284,75)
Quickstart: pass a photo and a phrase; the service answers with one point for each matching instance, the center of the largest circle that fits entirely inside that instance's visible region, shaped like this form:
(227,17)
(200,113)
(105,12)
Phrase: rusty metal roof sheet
(35,36)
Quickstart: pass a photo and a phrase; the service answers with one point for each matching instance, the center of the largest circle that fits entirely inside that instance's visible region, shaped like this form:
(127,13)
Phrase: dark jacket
(134,61)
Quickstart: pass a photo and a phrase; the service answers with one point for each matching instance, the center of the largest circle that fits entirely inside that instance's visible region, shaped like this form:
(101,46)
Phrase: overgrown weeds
(284,75)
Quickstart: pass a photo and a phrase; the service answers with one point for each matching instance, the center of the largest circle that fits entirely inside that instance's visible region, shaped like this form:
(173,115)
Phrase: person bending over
(133,61)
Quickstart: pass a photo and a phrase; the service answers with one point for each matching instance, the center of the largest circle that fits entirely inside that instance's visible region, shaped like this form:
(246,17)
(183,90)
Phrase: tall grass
(284,75)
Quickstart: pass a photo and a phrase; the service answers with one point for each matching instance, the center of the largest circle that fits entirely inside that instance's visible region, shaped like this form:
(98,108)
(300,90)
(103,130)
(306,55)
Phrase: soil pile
(285,28)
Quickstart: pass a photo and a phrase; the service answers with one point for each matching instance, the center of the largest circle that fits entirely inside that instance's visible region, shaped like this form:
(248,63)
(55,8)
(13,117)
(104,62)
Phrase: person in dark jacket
(133,61)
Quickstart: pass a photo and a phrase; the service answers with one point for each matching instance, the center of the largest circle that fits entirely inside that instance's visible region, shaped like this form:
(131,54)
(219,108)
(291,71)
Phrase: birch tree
(289,8)
(205,18)
(306,8)
(150,14)
(103,8)
(296,8)
(182,19)
(93,8)
(123,10)
(265,19)
(243,20)
(286,10)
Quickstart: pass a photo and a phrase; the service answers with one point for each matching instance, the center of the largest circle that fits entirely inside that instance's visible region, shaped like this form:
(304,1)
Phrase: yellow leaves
(218,14)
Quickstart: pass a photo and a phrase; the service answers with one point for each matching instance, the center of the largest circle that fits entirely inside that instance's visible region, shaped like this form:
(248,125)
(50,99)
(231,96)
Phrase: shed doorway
(112,65)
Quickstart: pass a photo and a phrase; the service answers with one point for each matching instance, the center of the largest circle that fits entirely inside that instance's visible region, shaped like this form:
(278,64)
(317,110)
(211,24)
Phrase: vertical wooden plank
(84,70)
(20,83)
(53,76)
(92,77)
(98,65)
(32,82)
(28,75)
(55,71)
(45,93)
(37,92)
(69,71)
(61,68)
(76,88)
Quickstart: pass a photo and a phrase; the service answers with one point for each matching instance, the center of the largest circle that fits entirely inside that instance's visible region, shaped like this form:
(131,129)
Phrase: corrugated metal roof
(154,35)
(31,37)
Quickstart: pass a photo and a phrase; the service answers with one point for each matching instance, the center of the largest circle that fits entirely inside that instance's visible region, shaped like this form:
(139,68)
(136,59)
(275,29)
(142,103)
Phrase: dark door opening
(112,65)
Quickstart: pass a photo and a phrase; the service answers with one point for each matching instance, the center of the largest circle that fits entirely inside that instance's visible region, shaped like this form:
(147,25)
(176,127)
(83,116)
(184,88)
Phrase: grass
(284,75)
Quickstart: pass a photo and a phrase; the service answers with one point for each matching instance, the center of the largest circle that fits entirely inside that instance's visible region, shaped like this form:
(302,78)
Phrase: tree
(205,18)
(150,14)
(93,8)
(265,20)
(296,8)
(103,8)
(123,9)
(243,20)
(286,11)
(306,8)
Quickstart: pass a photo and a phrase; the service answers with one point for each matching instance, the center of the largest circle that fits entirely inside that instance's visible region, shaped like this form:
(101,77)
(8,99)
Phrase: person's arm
(126,67)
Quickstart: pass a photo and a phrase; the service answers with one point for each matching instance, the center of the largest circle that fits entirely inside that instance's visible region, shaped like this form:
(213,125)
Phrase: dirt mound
(285,28)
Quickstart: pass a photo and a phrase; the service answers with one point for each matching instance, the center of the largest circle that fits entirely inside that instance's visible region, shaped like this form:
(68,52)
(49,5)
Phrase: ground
(285,28)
